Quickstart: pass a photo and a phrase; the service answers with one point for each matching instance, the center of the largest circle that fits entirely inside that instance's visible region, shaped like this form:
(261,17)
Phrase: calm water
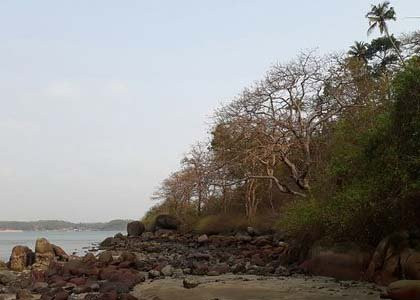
(68,240)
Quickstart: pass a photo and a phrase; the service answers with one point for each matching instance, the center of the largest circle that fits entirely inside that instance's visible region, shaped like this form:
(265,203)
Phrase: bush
(220,224)
(225,224)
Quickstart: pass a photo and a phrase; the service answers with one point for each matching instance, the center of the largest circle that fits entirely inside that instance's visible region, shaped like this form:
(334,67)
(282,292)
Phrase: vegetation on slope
(322,147)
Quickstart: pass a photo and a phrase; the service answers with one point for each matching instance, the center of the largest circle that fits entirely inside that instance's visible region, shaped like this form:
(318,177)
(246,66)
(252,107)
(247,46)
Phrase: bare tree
(284,112)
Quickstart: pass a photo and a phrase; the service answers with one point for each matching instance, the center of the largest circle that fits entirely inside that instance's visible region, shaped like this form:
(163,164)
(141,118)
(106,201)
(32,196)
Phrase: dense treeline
(323,146)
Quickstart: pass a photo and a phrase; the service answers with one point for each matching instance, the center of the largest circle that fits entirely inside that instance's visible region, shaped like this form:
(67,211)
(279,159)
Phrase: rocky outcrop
(341,261)
(44,252)
(166,222)
(135,228)
(396,257)
(404,290)
(21,258)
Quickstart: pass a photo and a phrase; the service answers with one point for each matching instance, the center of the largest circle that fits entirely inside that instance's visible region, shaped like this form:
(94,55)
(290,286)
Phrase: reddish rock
(112,295)
(62,295)
(89,258)
(80,268)
(60,253)
(125,296)
(411,265)
(105,257)
(404,290)
(128,277)
(78,281)
(38,275)
(257,260)
(345,262)
(200,268)
(385,266)
(126,264)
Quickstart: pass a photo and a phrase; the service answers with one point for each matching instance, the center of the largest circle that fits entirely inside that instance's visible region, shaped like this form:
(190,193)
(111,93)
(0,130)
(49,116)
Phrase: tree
(378,17)
(359,51)
(279,117)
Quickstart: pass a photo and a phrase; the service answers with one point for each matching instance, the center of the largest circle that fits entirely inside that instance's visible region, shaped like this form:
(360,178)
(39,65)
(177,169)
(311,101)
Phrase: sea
(73,242)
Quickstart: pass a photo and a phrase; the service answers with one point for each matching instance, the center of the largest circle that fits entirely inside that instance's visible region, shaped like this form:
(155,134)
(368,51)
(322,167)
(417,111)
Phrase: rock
(341,261)
(23,295)
(105,257)
(384,267)
(282,271)
(108,242)
(39,287)
(21,258)
(44,253)
(6,277)
(125,296)
(127,277)
(252,231)
(200,268)
(59,252)
(119,235)
(168,270)
(61,295)
(243,237)
(219,269)
(189,283)
(77,267)
(166,222)
(404,290)
(154,274)
(89,258)
(411,265)
(3,265)
(128,257)
(203,239)
(7,297)
(135,228)
(78,281)
(43,246)
(147,235)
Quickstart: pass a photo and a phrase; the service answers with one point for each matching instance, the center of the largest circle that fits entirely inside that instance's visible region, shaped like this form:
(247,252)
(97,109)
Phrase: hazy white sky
(100,99)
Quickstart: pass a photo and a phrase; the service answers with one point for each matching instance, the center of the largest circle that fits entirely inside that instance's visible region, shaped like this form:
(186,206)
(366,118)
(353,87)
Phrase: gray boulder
(135,228)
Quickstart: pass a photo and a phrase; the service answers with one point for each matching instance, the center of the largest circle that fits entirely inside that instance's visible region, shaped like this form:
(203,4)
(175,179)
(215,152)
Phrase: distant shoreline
(59,225)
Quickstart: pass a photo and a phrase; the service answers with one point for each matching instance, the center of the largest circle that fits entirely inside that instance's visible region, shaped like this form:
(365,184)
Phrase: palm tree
(359,51)
(378,17)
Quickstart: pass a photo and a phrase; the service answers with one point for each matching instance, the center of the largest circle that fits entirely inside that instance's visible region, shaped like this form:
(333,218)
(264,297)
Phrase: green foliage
(374,165)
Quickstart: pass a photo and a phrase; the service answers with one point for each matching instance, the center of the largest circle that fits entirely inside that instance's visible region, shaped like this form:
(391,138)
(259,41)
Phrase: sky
(100,99)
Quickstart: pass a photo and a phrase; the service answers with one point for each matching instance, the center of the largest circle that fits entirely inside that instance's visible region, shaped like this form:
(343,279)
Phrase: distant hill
(114,225)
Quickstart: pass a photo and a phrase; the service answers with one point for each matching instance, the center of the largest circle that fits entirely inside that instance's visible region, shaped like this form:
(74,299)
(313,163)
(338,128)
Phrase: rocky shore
(165,264)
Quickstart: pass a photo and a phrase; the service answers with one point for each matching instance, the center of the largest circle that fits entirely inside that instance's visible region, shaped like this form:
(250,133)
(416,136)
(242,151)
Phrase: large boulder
(43,246)
(404,290)
(341,261)
(60,253)
(166,222)
(21,258)
(135,228)
(44,252)
(395,258)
